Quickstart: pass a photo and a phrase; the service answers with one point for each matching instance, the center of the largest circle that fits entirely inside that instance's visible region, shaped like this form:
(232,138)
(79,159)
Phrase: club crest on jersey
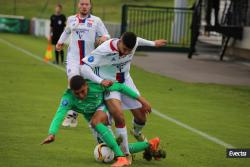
(89,24)
(91,59)
(65,102)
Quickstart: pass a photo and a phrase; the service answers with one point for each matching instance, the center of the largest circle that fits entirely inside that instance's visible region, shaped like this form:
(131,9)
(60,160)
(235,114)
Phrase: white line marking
(28,53)
(205,135)
(163,116)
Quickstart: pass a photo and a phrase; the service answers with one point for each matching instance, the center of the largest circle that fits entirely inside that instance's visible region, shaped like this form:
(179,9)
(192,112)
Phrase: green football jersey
(87,106)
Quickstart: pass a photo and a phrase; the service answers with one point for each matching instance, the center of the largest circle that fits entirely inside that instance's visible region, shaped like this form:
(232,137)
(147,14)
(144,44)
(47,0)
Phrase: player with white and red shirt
(111,62)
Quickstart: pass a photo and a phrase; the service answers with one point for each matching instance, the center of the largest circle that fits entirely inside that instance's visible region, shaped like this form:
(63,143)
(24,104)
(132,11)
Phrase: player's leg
(98,122)
(150,148)
(72,68)
(57,56)
(140,118)
(139,122)
(62,56)
(114,105)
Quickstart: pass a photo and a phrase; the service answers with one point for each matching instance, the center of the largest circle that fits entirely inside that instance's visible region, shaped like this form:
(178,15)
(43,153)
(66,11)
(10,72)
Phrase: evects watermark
(238,153)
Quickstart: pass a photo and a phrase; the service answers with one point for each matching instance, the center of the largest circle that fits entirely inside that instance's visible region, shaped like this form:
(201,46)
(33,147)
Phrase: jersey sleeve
(66,33)
(97,57)
(123,89)
(65,106)
(144,42)
(88,73)
(101,29)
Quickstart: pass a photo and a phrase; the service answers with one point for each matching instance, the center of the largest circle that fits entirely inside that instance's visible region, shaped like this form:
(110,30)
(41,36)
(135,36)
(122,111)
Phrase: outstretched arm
(64,107)
(131,93)
(64,36)
(156,43)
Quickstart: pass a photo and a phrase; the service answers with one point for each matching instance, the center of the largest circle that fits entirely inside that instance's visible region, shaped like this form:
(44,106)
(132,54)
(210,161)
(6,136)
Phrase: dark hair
(59,5)
(76,82)
(129,39)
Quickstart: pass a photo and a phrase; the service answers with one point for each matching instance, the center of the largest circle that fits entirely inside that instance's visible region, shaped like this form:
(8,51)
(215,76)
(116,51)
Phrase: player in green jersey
(87,98)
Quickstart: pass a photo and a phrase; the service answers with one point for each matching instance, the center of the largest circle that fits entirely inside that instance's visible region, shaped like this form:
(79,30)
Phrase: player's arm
(51,29)
(65,106)
(130,93)
(95,59)
(64,36)
(156,43)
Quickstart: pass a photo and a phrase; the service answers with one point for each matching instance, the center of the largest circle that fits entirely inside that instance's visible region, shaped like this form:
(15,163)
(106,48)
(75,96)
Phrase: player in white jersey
(83,29)
(111,61)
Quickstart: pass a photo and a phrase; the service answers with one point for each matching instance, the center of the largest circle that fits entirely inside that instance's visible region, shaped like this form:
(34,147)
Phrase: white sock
(123,133)
(137,128)
(73,113)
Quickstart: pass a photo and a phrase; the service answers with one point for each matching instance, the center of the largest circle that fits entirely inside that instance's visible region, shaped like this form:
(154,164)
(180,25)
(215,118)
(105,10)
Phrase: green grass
(108,10)
(30,92)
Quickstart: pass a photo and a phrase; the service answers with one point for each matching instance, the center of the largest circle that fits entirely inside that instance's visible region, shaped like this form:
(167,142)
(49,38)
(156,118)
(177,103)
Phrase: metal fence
(172,24)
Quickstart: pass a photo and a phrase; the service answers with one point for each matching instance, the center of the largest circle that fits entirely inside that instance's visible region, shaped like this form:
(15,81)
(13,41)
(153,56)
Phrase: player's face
(84,7)
(82,92)
(123,49)
(58,10)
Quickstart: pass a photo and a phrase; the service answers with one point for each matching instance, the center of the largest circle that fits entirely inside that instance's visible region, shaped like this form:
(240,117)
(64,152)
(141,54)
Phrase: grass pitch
(31,90)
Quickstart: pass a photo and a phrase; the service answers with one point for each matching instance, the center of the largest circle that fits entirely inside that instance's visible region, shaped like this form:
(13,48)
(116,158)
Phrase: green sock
(137,147)
(108,138)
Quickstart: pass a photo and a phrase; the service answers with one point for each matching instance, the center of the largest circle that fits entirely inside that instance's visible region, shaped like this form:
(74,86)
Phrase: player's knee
(94,122)
(140,120)
(119,120)
(139,116)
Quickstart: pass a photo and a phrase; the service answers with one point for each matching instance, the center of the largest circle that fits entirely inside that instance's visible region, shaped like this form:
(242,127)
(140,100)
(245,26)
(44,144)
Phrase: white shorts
(127,102)
(72,66)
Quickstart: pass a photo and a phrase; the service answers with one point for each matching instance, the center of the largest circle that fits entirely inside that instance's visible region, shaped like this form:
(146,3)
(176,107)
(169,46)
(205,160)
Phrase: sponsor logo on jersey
(65,102)
(81,32)
(111,54)
(91,59)
(121,65)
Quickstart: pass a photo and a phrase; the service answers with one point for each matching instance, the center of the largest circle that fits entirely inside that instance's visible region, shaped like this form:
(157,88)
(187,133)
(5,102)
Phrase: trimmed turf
(30,92)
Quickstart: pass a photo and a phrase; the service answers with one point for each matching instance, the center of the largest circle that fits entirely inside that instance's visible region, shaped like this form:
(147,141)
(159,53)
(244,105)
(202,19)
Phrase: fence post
(124,18)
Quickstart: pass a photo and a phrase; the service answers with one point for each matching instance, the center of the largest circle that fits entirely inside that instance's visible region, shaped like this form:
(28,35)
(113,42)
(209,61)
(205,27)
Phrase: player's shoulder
(67,98)
(107,46)
(96,18)
(72,17)
(67,94)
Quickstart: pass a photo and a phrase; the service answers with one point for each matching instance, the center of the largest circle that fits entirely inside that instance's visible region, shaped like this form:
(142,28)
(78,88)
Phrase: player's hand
(146,107)
(49,139)
(59,46)
(106,83)
(49,39)
(100,40)
(160,42)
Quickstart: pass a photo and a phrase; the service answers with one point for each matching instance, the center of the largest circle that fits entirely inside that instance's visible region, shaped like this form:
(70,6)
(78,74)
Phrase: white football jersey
(83,33)
(107,63)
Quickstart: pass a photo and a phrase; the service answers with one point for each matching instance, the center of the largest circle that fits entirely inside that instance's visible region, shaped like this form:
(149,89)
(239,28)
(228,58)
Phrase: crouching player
(86,98)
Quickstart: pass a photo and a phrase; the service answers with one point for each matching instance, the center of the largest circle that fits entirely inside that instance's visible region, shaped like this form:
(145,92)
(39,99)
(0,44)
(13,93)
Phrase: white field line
(28,53)
(163,116)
